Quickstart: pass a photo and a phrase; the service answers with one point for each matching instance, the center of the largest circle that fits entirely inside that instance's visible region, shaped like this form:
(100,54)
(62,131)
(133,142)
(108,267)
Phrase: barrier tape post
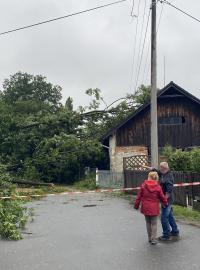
(97,177)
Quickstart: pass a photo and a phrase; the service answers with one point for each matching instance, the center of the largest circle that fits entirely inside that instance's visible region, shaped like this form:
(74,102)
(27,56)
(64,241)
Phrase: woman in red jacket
(150,196)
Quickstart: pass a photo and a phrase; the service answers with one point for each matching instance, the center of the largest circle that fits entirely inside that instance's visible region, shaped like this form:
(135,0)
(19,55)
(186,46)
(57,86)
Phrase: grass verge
(83,185)
(185,214)
(86,184)
(43,190)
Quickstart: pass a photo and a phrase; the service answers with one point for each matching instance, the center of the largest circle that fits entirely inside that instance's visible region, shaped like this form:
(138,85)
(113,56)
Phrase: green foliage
(143,95)
(42,140)
(183,160)
(13,215)
(12,218)
(98,122)
(89,183)
(195,159)
(23,87)
(167,151)
(69,104)
(96,93)
(186,214)
(180,161)
(62,159)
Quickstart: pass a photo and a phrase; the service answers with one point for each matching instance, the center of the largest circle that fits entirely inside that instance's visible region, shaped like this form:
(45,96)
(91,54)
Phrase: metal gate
(109,179)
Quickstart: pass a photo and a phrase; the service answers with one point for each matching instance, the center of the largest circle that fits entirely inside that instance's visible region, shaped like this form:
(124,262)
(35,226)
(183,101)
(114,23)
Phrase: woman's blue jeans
(168,222)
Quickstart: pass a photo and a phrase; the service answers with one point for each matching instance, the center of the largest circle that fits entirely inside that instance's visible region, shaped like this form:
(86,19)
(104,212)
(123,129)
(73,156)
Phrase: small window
(172,120)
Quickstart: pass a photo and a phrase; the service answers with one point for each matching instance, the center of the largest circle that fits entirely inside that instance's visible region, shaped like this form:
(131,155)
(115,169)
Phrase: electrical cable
(132,9)
(60,18)
(142,50)
(135,42)
(143,19)
(179,9)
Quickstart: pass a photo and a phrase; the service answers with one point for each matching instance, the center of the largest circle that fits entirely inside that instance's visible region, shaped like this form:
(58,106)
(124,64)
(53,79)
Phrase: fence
(135,162)
(184,196)
(109,179)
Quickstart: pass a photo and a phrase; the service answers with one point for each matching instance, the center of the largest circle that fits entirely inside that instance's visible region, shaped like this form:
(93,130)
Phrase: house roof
(169,86)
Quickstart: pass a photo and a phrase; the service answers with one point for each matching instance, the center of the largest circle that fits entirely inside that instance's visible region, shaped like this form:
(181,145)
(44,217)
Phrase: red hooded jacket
(150,195)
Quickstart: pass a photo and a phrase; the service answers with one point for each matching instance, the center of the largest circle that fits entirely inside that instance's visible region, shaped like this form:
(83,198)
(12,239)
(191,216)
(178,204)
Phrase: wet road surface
(109,235)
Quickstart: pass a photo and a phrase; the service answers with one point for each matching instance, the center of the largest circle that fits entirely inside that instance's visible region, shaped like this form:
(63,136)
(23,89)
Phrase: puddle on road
(28,233)
(90,205)
(70,200)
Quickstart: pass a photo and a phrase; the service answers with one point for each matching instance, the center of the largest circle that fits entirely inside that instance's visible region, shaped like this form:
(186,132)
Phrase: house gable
(172,92)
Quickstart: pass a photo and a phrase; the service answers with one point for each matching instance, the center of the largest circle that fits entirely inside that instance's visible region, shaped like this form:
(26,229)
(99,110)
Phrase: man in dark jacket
(169,226)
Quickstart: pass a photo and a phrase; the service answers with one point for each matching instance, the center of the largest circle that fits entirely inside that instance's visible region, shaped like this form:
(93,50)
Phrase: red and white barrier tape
(187,184)
(92,191)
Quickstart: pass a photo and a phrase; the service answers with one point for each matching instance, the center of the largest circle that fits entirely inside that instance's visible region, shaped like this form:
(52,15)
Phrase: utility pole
(164,73)
(154,117)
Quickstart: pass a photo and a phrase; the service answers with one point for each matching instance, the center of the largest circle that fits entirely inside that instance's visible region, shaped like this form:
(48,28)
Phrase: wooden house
(178,126)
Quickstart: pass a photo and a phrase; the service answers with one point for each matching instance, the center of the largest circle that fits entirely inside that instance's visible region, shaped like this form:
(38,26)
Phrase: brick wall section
(117,153)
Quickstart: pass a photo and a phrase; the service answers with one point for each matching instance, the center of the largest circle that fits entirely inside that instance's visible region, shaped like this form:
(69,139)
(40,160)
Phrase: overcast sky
(96,49)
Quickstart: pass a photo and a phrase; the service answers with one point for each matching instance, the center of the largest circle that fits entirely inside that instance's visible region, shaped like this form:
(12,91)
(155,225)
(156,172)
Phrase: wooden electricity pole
(154,117)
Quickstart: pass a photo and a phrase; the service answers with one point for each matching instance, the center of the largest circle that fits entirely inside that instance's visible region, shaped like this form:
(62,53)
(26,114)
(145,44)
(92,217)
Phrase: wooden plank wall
(137,131)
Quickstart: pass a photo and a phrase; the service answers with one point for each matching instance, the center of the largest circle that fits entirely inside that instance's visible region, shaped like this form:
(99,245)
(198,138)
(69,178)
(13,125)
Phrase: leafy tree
(98,122)
(62,159)
(42,140)
(96,93)
(143,95)
(20,135)
(23,88)
(69,104)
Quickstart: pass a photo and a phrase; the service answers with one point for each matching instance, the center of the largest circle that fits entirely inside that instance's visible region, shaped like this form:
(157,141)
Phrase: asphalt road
(109,236)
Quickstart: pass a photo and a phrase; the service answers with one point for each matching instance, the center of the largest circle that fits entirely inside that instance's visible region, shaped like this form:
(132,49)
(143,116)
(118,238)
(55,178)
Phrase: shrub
(195,159)
(89,183)
(13,214)
(183,160)
(180,161)
(167,151)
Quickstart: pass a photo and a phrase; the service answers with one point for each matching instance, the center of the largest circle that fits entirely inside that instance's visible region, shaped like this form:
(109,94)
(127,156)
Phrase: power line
(135,42)
(142,50)
(60,18)
(182,11)
(148,50)
(132,9)
(141,34)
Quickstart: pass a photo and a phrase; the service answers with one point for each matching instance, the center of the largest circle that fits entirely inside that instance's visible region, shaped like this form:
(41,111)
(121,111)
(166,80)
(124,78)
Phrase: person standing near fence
(150,196)
(169,226)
